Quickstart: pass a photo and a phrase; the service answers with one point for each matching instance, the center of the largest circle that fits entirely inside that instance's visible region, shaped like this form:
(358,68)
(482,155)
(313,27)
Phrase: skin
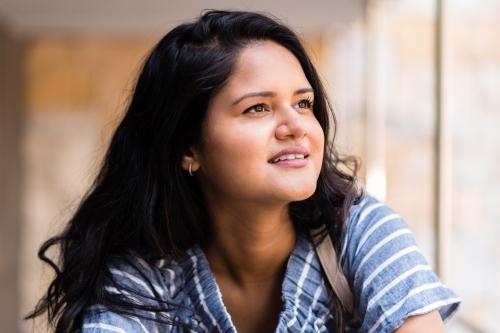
(426,323)
(265,107)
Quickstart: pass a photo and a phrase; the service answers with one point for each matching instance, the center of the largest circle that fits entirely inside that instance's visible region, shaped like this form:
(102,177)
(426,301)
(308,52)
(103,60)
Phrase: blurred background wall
(67,68)
(11,117)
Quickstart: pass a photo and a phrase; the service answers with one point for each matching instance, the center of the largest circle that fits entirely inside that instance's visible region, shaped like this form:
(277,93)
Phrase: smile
(289,157)
(292,153)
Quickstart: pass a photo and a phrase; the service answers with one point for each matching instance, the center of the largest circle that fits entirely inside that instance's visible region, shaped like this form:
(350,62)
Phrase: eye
(305,104)
(258,108)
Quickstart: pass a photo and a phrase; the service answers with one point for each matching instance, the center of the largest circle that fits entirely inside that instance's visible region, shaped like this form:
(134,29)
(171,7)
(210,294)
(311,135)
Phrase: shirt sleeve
(392,280)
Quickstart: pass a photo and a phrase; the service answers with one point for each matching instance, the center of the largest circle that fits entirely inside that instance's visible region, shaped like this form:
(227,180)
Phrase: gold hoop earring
(190,169)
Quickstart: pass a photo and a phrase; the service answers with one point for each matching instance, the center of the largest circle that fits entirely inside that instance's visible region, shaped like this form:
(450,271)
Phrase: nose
(290,124)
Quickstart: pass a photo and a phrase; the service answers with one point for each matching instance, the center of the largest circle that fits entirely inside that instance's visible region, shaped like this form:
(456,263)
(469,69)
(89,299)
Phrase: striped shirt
(392,281)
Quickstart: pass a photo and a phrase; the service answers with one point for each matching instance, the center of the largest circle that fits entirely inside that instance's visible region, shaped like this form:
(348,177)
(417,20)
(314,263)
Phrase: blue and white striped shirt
(391,279)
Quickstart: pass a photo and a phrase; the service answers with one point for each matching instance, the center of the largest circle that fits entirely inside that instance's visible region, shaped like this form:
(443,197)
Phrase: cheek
(317,139)
(232,154)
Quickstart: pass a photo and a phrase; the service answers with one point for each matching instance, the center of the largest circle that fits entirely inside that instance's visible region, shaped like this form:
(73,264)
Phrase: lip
(291,150)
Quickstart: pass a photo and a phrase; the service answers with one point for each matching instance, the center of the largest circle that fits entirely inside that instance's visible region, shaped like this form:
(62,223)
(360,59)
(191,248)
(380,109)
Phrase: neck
(250,246)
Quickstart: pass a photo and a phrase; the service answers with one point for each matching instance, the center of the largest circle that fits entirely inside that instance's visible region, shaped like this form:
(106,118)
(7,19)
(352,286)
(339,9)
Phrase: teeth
(289,157)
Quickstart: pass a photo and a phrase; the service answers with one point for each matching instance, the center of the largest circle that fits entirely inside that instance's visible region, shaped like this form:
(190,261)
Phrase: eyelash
(309,101)
(255,106)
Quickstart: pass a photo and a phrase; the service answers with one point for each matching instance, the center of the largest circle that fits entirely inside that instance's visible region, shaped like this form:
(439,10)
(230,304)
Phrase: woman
(199,218)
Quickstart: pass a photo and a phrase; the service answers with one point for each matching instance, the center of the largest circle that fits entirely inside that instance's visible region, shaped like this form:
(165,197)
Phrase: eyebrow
(271,94)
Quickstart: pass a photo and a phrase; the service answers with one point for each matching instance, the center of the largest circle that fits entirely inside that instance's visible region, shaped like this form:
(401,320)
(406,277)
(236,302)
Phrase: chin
(305,196)
(301,194)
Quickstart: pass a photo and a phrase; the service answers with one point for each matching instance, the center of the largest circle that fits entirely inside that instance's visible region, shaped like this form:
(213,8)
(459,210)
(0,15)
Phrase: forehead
(266,66)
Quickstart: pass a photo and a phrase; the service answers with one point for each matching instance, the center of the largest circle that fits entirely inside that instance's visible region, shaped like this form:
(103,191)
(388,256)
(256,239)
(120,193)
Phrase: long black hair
(143,201)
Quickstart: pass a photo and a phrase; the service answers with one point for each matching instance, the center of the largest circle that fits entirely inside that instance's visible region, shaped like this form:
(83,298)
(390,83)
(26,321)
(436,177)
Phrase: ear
(191,157)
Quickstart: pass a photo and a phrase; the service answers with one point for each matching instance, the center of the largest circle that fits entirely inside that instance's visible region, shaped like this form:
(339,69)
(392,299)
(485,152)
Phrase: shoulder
(369,224)
(391,278)
(153,287)
(98,319)
(150,279)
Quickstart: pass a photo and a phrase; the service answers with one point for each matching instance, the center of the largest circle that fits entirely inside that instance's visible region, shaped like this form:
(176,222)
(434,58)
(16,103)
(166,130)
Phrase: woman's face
(262,142)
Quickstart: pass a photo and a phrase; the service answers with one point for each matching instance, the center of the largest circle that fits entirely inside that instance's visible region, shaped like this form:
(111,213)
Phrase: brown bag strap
(333,271)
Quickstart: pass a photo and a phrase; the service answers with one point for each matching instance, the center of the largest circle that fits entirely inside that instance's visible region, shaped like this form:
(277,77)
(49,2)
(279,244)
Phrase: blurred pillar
(10,178)
(443,137)
(375,113)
